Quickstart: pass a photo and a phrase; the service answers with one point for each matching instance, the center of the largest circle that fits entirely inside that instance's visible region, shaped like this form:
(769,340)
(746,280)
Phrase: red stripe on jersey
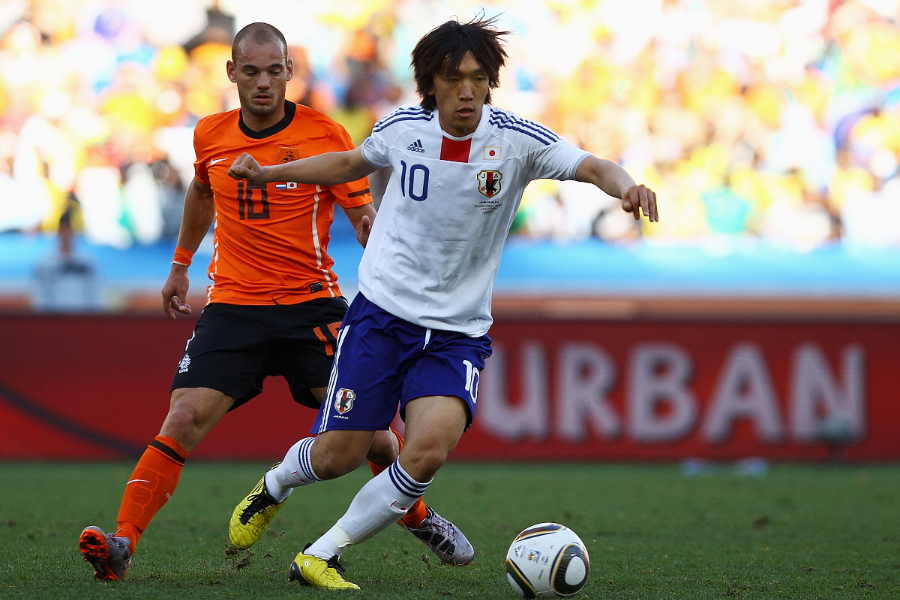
(456,150)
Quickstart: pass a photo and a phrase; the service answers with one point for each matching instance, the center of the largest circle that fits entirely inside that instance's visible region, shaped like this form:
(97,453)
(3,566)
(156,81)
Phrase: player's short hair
(260,33)
(443,48)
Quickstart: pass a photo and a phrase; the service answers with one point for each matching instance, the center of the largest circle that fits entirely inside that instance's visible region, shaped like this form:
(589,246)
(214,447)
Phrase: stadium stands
(774,121)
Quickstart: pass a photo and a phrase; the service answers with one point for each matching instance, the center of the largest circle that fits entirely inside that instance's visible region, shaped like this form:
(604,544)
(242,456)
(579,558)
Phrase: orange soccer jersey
(271,241)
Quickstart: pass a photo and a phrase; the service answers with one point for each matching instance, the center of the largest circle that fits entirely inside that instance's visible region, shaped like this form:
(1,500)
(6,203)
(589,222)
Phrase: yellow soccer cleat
(252,515)
(325,574)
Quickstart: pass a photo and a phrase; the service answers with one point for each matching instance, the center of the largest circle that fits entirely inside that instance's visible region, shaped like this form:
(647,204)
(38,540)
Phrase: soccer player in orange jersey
(274,305)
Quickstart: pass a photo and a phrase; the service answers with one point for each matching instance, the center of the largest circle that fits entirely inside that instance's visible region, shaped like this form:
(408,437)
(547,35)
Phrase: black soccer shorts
(234,348)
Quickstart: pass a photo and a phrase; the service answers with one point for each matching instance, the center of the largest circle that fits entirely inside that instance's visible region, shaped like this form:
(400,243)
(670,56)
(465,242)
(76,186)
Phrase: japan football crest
(343,400)
(489,183)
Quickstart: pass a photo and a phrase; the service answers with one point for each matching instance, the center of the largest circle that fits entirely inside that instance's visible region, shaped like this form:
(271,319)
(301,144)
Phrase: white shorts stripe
(332,379)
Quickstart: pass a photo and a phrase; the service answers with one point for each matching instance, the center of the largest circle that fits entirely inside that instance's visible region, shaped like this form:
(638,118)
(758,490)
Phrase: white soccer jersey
(435,246)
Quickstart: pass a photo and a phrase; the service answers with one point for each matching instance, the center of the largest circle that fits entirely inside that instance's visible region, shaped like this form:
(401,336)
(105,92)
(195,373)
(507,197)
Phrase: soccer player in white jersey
(416,334)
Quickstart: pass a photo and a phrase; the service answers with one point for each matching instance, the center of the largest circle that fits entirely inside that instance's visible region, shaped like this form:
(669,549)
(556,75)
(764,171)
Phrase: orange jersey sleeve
(271,241)
(200,172)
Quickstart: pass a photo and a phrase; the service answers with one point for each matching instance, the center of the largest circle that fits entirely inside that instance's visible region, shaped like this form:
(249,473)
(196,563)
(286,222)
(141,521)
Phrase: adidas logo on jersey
(416,146)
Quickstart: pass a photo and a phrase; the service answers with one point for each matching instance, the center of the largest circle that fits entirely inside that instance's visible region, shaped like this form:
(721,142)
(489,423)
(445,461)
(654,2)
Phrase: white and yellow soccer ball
(547,560)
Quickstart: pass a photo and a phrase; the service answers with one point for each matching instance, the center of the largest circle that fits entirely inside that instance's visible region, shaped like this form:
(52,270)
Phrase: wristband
(182,257)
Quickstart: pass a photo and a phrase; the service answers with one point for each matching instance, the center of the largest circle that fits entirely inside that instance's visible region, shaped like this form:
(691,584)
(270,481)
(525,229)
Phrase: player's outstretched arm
(330,168)
(198,214)
(615,181)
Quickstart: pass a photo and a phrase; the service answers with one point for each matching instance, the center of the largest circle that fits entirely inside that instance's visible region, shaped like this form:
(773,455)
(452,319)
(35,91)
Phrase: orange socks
(153,480)
(418,511)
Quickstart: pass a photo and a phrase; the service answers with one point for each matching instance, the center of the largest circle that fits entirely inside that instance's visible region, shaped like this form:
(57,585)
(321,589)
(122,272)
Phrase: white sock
(295,470)
(384,499)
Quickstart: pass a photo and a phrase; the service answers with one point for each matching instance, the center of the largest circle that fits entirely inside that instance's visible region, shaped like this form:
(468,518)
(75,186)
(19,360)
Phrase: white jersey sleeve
(377,147)
(558,160)
(375,150)
(545,154)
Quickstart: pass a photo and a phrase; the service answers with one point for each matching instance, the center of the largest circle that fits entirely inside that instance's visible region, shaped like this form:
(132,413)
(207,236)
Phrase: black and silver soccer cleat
(445,539)
(107,553)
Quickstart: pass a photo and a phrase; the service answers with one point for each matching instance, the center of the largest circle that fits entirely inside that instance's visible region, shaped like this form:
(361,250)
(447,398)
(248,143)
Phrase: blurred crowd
(774,120)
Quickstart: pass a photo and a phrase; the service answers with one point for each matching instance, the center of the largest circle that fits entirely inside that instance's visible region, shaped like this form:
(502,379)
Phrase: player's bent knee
(336,453)
(192,413)
(329,465)
(384,449)
(181,425)
(423,461)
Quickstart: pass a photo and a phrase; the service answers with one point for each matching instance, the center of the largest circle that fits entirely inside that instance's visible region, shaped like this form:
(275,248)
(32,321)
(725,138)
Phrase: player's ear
(289,64)
(231,69)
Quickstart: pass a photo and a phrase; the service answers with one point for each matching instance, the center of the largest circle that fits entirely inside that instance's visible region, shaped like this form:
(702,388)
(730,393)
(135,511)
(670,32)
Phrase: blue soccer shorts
(383,361)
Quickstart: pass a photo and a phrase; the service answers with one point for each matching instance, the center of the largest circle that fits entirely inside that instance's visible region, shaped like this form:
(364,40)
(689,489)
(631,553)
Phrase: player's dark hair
(443,48)
(260,33)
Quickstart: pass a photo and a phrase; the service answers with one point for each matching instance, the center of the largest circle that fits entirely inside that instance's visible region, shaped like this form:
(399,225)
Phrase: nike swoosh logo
(214,161)
(138,480)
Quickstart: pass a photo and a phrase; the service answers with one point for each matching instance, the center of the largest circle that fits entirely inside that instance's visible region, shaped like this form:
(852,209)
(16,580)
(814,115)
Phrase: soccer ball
(547,560)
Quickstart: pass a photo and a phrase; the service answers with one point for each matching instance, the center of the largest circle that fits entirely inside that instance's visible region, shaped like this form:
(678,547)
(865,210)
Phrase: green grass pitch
(816,532)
